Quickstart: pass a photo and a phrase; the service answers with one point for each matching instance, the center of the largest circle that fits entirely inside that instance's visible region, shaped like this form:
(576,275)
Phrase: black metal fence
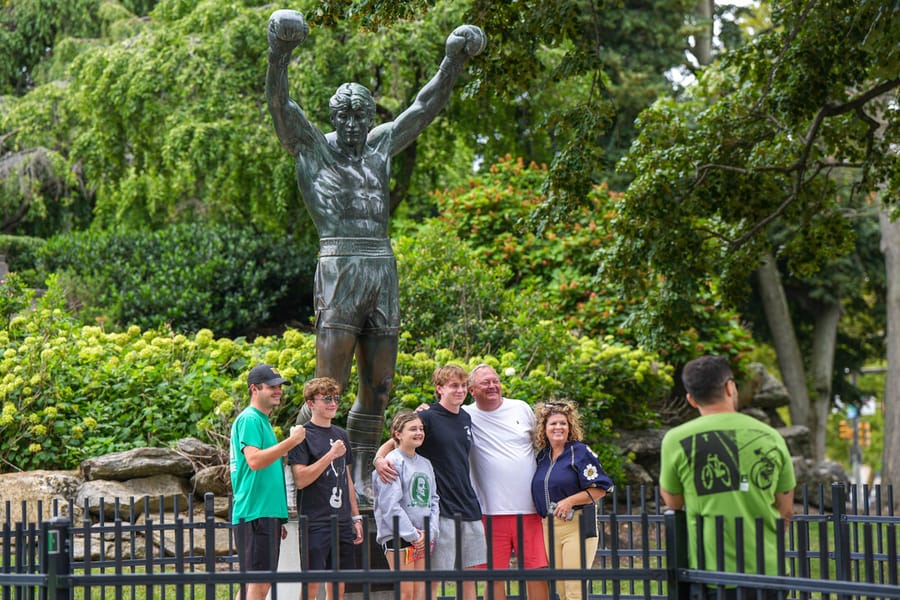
(849,551)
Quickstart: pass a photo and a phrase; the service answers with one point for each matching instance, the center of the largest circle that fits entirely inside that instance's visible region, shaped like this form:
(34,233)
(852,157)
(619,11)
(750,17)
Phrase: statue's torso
(346,197)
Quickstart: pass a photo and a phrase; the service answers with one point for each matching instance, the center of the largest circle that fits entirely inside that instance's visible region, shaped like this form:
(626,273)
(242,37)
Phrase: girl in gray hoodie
(409,500)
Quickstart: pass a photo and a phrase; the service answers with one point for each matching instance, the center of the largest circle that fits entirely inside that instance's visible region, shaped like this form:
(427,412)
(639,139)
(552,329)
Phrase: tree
(782,131)
(890,228)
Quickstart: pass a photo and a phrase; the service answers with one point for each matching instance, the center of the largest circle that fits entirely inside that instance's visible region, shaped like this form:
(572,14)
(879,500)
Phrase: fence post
(841,535)
(56,558)
(676,554)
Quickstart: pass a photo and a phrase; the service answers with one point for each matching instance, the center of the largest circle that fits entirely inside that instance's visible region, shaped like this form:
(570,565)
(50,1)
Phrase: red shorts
(504,540)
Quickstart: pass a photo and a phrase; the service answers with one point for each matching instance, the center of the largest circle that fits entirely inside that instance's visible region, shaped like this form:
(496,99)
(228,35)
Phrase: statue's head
(352,97)
(352,113)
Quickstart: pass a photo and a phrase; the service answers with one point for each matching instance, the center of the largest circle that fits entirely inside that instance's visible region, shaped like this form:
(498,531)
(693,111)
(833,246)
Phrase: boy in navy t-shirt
(321,469)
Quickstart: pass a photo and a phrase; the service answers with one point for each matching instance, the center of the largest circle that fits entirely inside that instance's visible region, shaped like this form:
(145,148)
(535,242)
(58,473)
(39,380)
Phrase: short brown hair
(400,420)
(447,373)
(324,386)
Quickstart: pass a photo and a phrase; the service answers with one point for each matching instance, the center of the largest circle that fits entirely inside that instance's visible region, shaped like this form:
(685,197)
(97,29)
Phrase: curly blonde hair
(545,410)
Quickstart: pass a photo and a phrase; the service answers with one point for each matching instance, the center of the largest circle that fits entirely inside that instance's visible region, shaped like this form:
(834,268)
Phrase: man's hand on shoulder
(385,469)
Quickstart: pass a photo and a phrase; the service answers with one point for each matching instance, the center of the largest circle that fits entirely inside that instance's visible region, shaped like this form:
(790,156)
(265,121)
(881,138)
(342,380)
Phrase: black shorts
(258,542)
(321,555)
(389,545)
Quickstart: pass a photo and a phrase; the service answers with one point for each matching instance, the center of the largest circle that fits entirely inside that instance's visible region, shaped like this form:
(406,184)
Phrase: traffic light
(845,430)
(865,433)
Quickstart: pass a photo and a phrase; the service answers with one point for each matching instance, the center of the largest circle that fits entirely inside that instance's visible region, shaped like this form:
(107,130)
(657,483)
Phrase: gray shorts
(473,545)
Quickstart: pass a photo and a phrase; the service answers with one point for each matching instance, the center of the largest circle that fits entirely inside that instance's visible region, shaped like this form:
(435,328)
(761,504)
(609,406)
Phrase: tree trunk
(703,41)
(790,360)
(822,367)
(890,246)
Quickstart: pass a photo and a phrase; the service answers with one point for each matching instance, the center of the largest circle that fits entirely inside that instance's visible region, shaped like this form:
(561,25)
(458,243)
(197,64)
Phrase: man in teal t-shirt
(257,478)
(727,464)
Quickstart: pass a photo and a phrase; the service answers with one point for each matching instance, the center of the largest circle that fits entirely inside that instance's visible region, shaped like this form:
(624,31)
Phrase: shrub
(558,266)
(186,276)
(21,254)
(69,392)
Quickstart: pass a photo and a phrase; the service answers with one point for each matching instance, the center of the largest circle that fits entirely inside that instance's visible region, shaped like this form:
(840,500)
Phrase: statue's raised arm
(287,30)
(465,42)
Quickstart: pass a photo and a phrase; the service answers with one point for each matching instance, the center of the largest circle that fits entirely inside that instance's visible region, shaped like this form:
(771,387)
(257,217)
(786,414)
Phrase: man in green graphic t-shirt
(730,464)
(257,478)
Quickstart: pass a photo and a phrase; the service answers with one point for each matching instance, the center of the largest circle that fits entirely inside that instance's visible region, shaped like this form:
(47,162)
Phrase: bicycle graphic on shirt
(715,470)
(763,470)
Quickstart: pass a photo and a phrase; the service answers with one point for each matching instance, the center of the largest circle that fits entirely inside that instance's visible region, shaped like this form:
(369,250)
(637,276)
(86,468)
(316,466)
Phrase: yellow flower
(34,448)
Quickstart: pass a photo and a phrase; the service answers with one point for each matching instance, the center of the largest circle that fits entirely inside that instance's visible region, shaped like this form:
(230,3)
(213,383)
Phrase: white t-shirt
(502,457)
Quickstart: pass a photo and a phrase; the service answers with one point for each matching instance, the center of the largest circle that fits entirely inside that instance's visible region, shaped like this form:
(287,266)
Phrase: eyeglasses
(558,406)
(331,399)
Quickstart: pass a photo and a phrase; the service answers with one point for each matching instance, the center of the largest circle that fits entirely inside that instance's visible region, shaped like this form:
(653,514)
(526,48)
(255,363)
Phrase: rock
(33,487)
(761,389)
(193,538)
(212,480)
(136,463)
(201,454)
(171,489)
(643,445)
(757,413)
(637,476)
(798,440)
(818,479)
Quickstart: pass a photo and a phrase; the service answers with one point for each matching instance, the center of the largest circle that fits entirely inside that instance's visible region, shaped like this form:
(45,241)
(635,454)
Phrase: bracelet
(375,460)
(356,518)
(590,495)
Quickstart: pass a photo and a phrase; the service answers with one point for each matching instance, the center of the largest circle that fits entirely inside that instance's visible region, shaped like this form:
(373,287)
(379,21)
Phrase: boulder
(212,480)
(136,463)
(201,454)
(817,479)
(193,539)
(34,488)
(161,492)
(798,440)
(643,445)
(761,389)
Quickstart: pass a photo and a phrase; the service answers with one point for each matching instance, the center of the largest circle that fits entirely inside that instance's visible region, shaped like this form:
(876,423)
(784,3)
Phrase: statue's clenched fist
(465,42)
(287,28)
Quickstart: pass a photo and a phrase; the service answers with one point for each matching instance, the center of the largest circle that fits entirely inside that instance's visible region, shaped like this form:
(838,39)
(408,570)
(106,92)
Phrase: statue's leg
(376,359)
(334,356)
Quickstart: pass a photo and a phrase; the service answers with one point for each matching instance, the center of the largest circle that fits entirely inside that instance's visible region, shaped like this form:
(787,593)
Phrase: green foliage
(163,118)
(14,296)
(452,299)
(20,251)
(187,277)
(787,129)
(558,268)
(29,28)
(69,392)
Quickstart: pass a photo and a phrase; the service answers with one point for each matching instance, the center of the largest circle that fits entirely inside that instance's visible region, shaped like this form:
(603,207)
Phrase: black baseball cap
(267,375)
